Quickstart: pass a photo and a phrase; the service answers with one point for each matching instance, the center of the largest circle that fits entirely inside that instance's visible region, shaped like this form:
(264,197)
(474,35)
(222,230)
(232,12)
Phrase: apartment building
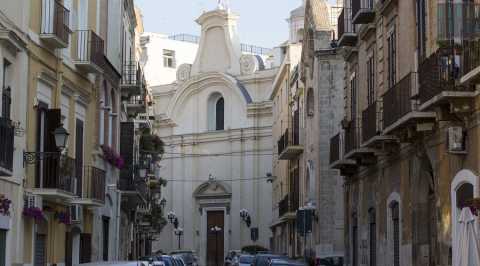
(407,149)
(79,87)
(322,72)
(13,78)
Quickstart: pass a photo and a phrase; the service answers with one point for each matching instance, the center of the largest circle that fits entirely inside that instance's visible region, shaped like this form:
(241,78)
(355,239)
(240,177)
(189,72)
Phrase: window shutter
(79,155)
(68,249)
(127,143)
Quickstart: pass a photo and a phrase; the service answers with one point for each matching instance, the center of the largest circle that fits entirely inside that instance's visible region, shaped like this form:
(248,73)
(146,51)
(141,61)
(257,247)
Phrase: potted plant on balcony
(152,144)
(33,212)
(112,157)
(5,205)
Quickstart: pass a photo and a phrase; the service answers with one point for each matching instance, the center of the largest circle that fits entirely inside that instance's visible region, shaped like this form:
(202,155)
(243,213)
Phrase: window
(354,240)
(371,79)
(373,237)
(310,102)
(392,58)
(395,211)
(216,112)
(219,114)
(353,97)
(6,91)
(421,31)
(169,58)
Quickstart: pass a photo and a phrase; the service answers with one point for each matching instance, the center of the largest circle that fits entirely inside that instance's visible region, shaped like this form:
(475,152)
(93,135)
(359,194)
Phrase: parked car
(119,263)
(232,257)
(330,261)
(179,260)
(188,257)
(286,262)
(263,259)
(167,260)
(245,260)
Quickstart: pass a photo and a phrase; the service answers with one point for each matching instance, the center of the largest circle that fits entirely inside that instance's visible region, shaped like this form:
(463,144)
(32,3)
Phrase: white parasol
(467,243)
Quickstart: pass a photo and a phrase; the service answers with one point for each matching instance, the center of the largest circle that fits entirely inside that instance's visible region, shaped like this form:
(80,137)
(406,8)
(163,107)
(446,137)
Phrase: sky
(262,22)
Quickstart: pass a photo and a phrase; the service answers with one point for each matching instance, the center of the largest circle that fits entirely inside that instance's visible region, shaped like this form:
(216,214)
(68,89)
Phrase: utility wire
(224,180)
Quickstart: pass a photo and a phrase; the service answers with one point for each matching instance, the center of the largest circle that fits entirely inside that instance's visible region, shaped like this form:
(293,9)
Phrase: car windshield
(246,259)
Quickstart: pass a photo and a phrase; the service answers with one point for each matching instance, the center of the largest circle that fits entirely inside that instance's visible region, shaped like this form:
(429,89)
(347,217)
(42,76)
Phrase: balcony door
(3,246)
(79,156)
(47,169)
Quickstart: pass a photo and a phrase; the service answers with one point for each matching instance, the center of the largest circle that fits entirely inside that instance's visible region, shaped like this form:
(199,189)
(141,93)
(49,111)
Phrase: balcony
(372,136)
(471,63)
(283,206)
(55,179)
(347,35)
(289,146)
(54,28)
(89,51)
(353,150)
(400,109)
(288,206)
(133,79)
(363,11)
(136,105)
(346,167)
(92,187)
(439,75)
(7,136)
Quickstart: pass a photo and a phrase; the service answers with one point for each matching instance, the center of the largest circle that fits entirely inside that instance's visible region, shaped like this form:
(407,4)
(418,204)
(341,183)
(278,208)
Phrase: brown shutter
(79,155)
(68,249)
(127,142)
(51,165)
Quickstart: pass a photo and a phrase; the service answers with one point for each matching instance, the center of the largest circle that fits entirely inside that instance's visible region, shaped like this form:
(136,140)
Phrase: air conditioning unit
(32,201)
(75,213)
(456,139)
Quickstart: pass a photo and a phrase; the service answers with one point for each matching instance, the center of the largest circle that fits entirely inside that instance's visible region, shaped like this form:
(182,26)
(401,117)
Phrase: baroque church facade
(216,122)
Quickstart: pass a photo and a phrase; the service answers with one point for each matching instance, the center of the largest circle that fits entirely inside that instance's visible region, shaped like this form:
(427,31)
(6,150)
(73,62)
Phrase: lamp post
(216,230)
(178,232)
(61,137)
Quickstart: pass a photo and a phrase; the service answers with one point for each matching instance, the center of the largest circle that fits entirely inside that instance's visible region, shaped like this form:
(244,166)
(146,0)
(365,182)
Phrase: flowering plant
(35,213)
(63,218)
(112,157)
(5,205)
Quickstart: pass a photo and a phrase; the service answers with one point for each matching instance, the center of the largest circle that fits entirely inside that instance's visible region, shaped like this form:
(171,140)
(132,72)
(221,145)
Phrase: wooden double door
(215,240)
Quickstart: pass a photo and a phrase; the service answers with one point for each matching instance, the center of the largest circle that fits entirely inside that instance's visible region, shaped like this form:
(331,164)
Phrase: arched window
(219,114)
(395,220)
(464,187)
(310,102)
(216,112)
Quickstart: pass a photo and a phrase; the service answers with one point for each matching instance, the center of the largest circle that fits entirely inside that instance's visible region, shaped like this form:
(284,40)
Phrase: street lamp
(61,137)
(216,230)
(178,232)
(172,217)
(246,217)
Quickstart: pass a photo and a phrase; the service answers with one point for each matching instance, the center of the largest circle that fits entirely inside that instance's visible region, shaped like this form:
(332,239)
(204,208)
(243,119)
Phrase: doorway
(40,250)
(215,241)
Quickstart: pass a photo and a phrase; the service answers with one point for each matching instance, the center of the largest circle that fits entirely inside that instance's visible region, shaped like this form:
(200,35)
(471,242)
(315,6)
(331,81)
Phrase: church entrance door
(215,237)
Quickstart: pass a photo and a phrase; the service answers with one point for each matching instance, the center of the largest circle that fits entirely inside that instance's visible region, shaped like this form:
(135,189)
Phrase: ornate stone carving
(183,72)
(248,64)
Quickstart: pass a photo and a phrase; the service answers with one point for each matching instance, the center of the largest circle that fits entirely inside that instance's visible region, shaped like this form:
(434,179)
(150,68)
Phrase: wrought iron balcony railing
(346,29)
(283,206)
(351,137)
(397,101)
(56,173)
(7,136)
(94,181)
(335,148)
(370,122)
(54,27)
(89,52)
(362,11)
